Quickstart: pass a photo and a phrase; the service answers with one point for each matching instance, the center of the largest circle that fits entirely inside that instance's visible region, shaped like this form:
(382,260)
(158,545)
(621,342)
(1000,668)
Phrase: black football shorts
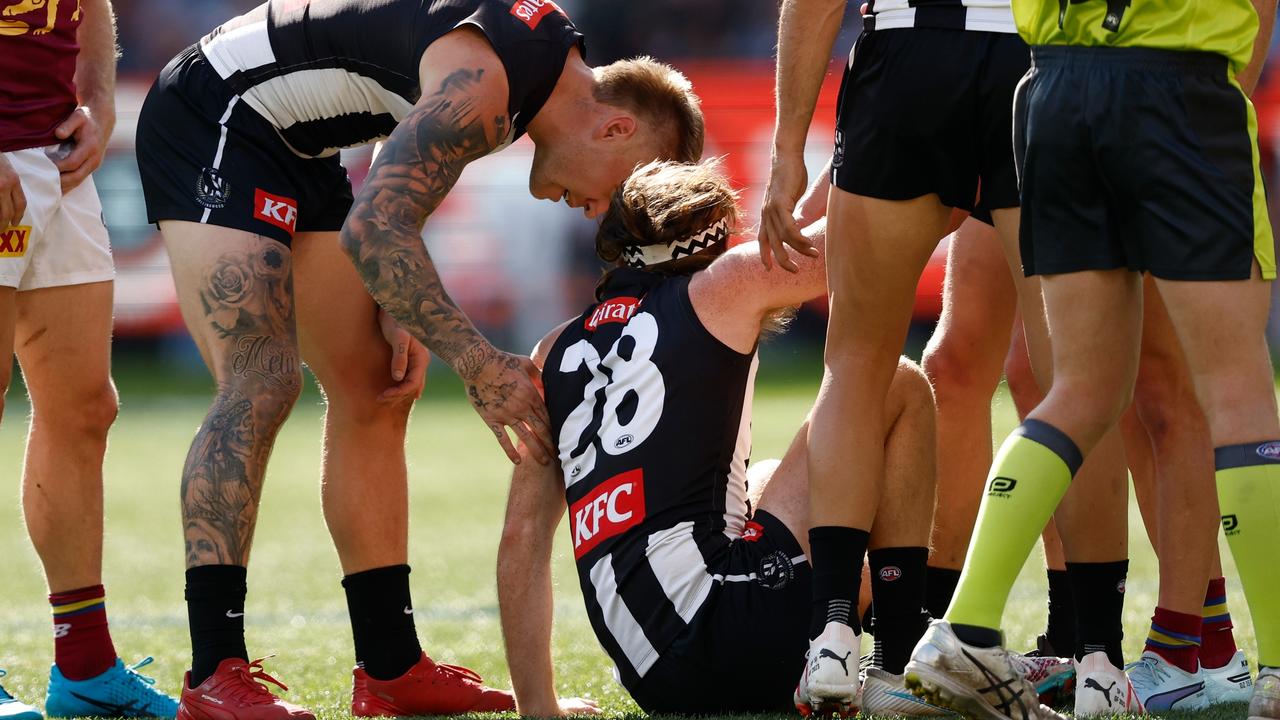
(205,156)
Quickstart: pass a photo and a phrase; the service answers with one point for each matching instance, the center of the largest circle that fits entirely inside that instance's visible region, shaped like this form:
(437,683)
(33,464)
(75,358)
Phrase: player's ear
(617,126)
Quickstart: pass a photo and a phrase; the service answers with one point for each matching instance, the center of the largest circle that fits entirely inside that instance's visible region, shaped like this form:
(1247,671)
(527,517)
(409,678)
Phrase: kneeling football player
(695,570)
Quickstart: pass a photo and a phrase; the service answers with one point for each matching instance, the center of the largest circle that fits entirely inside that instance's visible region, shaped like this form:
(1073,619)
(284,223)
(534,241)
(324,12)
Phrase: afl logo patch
(890,573)
(775,571)
(1270,451)
(212,190)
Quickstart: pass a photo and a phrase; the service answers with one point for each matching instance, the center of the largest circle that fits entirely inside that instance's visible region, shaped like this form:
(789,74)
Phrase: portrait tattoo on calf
(247,301)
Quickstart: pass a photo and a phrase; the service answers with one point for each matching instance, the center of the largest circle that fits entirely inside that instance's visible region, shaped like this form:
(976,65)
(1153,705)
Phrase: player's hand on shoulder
(13,202)
(84,134)
(506,390)
(409,360)
(788,179)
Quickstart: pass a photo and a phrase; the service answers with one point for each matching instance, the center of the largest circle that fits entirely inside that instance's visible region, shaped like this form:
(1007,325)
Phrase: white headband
(641,257)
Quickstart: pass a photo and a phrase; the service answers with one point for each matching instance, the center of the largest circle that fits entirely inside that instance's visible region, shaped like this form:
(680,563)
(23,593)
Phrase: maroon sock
(1217,643)
(1175,637)
(82,646)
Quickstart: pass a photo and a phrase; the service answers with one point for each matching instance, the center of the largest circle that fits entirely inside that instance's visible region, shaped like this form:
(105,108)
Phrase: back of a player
(651,414)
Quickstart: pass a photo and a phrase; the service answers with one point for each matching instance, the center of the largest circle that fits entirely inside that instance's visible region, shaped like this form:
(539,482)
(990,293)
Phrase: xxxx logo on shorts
(13,241)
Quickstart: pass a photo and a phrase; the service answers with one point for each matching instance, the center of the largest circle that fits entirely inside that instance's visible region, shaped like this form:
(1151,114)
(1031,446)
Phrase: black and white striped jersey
(975,15)
(652,417)
(330,74)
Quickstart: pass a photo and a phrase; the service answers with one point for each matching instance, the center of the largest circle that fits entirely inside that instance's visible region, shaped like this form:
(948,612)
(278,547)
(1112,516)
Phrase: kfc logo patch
(531,12)
(13,241)
(612,508)
(613,310)
(275,209)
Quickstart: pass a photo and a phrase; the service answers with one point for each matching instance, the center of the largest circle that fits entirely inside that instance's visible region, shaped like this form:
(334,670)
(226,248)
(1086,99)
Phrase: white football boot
(1231,683)
(886,694)
(979,683)
(830,683)
(1053,677)
(1103,688)
(1265,704)
(1161,685)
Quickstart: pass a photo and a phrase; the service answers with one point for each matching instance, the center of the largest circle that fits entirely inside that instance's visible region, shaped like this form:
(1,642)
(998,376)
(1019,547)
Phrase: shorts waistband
(1128,57)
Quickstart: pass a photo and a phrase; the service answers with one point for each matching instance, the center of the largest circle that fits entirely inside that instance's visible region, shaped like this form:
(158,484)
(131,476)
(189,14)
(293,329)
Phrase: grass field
(296,606)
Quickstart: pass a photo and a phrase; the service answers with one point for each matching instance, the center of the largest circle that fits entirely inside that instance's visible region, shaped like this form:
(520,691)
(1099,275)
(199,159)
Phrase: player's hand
(409,361)
(778,227)
(13,203)
(86,137)
(504,389)
(578,706)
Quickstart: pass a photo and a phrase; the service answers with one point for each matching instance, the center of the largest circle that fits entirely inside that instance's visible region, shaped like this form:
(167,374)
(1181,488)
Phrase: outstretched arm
(462,116)
(807,30)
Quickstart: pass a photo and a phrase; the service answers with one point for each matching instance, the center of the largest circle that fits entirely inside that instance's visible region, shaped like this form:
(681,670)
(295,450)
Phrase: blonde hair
(660,95)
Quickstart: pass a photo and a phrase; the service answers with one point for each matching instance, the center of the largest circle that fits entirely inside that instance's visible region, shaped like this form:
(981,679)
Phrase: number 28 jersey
(651,415)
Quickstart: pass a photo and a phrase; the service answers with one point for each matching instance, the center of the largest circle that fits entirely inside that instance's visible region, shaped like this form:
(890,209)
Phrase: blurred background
(515,279)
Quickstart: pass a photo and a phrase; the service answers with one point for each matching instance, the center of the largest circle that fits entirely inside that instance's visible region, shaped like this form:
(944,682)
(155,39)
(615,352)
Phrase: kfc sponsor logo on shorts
(275,209)
(212,190)
(13,241)
(889,573)
(752,532)
(1270,451)
(612,508)
(613,310)
(531,12)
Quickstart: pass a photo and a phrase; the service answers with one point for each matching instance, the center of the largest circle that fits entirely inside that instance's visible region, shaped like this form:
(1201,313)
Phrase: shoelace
(460,671)
(133,670)
(1149,673)
(254,680)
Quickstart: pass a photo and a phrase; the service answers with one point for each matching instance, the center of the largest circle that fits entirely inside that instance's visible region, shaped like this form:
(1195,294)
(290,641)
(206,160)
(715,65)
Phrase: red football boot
(428,688)
(237,691)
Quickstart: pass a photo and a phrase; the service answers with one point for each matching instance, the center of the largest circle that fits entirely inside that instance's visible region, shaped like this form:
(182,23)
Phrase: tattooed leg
(365,481)
(236,294)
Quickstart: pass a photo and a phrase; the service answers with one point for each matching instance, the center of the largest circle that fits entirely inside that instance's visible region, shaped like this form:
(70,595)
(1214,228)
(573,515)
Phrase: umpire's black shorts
(1139,159)
(929,111)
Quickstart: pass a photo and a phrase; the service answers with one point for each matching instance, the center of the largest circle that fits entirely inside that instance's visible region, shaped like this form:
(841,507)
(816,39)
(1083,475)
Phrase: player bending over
(237,146)
(694,570)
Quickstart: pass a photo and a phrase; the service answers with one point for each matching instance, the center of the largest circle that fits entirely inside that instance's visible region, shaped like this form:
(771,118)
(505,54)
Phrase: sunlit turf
(296,607)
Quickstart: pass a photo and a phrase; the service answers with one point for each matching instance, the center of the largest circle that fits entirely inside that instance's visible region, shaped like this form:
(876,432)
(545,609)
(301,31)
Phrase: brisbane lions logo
(36,25)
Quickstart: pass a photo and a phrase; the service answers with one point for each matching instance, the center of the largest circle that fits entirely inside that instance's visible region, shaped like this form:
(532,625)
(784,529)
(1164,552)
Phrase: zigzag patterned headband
(642,257)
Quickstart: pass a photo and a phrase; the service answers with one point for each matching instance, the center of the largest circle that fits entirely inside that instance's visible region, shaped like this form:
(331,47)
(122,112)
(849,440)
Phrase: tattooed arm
(462,116)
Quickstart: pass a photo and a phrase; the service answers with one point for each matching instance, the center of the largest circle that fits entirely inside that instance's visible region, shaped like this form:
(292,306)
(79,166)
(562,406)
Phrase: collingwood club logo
(212,189)
(1001,487)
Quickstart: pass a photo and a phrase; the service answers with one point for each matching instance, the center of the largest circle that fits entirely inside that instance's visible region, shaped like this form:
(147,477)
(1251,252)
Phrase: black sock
(1061,629)
(215,612)
(898,595)
(1098,591)
(836,555)
(382,621)
(939,587)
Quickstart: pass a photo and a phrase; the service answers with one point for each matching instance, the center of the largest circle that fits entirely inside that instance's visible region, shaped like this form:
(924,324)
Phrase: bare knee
(87,414)
(356,400)
(958,371)
(910,392)
(1167,407)
(1022,381)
